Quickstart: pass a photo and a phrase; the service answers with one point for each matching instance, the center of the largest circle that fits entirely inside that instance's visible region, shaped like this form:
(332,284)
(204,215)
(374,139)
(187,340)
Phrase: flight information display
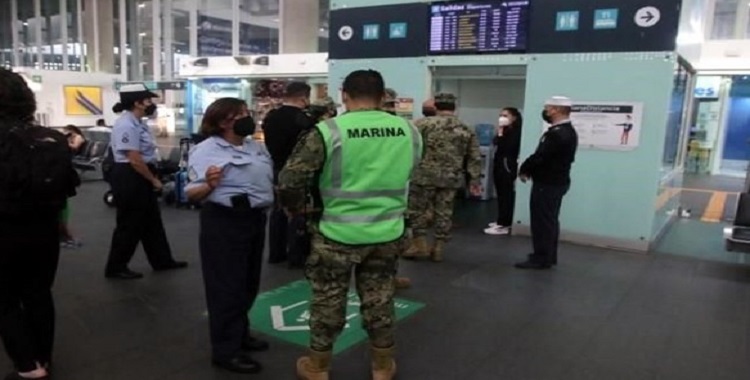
(479,27)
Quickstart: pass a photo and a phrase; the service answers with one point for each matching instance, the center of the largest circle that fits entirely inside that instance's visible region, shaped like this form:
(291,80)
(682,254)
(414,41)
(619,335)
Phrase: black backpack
(36,169)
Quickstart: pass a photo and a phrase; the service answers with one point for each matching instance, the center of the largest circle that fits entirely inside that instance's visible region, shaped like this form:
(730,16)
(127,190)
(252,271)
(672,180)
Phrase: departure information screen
(478,27)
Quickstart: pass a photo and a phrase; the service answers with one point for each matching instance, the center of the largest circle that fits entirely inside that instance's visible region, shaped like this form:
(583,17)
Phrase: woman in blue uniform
(136,188)
(233,177)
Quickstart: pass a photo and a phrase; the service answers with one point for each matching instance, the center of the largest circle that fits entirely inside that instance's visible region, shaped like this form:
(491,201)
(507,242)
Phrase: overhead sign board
(599,26)
(379,32)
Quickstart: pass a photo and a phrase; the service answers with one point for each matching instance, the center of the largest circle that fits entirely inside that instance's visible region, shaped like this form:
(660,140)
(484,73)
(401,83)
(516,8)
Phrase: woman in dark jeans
(508,147)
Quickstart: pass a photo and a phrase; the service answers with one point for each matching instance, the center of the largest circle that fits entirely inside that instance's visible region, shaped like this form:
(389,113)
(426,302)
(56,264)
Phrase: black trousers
(28,263)
(138,221)
(231,247)
(546,201)
(505,173)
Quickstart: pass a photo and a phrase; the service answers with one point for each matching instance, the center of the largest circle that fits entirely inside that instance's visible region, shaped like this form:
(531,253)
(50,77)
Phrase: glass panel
(214,28)
(76,56)
(26,34)
(324,18)
(675,121)
(180,31)
(116,35)
(725,19)
(6,35)
(51,43)
(736,154)
(259,23)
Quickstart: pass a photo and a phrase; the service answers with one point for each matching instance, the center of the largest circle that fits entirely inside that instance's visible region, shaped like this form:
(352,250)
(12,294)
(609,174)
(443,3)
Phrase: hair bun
(117,108)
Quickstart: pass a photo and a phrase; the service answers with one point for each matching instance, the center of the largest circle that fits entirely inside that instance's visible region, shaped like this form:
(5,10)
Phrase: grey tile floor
(599,315)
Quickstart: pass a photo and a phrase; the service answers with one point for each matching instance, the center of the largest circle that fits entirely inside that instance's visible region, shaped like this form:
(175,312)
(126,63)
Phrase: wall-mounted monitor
(482,26)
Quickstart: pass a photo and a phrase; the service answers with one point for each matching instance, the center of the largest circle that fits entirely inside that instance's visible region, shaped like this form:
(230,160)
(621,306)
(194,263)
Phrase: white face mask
(503,121)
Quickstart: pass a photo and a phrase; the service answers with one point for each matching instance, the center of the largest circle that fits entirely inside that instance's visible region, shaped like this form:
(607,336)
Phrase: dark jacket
(551,163)
(282,128)
(508,145)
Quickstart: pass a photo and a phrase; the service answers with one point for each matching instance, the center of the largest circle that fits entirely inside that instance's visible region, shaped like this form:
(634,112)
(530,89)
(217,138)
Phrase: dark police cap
(445,98)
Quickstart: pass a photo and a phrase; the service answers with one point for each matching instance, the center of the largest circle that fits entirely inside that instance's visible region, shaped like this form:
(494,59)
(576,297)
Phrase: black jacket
(551,163)
(508,145)
(282,129)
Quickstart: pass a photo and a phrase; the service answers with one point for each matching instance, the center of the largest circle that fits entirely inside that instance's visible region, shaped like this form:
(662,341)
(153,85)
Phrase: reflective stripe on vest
(337,167)
(364,183)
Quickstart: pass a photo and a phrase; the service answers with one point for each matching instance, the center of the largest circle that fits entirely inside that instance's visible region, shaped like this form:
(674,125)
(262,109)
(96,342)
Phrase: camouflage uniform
(451,150)
(330,264)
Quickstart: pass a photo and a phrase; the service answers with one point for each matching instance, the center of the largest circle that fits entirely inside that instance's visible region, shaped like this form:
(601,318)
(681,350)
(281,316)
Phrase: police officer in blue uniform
(233,177)
(136,188)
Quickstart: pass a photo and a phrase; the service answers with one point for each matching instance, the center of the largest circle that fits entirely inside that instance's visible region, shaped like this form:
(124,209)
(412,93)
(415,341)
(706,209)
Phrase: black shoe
(171,266)
(240,364)
(126,274)
(253,344)
(16,376)
(533,265)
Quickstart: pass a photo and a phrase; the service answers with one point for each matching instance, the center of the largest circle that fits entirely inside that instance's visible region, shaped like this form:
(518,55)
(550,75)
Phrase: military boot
(417,248)
(402,282)
(315,366)
(437,251)
(383,364)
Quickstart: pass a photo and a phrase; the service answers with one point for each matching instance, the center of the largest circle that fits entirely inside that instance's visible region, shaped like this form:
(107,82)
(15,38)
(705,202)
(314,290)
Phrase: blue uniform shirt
(246,169)
(131,134)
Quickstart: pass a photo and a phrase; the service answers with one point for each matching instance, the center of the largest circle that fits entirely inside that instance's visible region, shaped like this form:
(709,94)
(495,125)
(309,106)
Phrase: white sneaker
(497,230)
(492,225)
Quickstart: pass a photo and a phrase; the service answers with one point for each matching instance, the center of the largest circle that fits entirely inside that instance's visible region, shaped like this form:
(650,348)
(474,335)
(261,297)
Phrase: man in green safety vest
(361,163)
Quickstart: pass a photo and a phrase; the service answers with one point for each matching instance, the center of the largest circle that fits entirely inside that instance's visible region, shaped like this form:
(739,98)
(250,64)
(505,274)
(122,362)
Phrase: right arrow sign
(647,17)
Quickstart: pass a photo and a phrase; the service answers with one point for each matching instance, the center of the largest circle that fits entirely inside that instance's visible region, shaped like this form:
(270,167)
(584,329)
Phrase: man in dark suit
(549,169)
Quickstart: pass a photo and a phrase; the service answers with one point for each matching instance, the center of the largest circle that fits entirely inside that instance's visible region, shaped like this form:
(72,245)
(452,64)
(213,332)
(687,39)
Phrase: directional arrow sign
(346,32)
(647,17)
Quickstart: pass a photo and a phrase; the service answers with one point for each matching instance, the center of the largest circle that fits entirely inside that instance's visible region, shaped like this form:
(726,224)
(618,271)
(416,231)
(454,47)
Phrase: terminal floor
(599,315)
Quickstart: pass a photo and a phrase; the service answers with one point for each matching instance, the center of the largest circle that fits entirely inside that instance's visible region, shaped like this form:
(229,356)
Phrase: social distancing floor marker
(284,313)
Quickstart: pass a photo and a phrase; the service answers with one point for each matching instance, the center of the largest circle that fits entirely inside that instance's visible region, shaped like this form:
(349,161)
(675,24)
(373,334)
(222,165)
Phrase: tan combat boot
(437,251)
(417,248)
(383,364)
(402,282)
(315,366)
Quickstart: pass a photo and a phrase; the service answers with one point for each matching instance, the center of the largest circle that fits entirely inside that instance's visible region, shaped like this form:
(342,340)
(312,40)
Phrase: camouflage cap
(445,98)
(325,102)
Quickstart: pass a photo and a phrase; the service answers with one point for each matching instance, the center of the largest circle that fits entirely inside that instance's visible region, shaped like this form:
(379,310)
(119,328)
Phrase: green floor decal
(283,313)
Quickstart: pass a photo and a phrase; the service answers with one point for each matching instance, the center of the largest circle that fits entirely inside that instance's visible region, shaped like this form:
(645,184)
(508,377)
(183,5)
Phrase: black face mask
(334,113)
(546,117)
(428,112)
(244,127)
(391,112)
(150,110)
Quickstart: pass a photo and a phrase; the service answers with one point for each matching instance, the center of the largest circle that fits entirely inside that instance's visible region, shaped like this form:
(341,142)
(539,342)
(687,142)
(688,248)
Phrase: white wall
(51,100)
(724,55)
(480,101)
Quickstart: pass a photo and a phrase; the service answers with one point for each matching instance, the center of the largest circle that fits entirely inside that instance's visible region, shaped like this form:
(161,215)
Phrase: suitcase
(181,177)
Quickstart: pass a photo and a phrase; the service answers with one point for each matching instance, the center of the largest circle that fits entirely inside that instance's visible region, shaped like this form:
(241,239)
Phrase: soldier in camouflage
(451,152)
(367,249)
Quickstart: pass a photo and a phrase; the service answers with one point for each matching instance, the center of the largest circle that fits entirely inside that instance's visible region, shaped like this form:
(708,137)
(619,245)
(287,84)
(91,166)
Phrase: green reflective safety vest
(364,182)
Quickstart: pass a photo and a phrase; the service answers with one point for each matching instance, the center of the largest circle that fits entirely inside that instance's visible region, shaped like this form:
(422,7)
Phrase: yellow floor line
(715,209)
(665,196)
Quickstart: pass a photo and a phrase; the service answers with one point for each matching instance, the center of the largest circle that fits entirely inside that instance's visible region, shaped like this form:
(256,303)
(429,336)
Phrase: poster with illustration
(607,125)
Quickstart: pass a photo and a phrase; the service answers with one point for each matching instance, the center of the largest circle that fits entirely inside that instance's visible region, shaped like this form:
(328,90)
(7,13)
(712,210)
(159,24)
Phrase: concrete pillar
(99,35)
(299,23)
